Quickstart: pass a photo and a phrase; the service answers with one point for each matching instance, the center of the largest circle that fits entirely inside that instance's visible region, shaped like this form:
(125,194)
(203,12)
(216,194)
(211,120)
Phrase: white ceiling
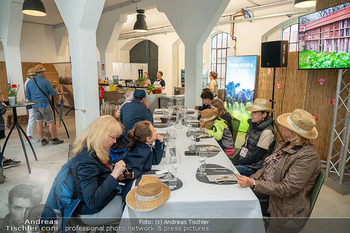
(154,18)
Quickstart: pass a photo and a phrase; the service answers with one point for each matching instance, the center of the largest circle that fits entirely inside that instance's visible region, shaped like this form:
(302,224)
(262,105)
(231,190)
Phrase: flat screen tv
(324,39)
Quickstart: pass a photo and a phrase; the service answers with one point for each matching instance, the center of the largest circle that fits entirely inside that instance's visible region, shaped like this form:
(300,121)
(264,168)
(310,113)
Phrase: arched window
(219,50)
(290,33)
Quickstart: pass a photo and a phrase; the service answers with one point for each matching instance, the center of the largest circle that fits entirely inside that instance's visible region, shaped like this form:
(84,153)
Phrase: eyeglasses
(114,138)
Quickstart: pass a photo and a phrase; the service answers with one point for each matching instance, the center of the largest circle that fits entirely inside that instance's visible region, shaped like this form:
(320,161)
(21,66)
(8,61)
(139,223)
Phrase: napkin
(222,178)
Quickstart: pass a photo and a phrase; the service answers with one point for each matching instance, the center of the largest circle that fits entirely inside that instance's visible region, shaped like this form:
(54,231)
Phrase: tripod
(272,100)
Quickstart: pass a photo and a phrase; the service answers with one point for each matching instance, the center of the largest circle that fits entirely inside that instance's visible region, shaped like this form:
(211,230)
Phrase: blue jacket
(83,184)
(62,195)
(134,112)
(140,159)
(34,94)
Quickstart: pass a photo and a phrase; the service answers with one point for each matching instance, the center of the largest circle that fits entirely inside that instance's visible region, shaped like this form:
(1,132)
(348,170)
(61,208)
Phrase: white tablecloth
(201,200)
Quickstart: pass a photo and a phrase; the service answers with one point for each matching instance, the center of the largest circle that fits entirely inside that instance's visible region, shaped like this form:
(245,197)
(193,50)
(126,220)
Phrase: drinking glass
(202,158)
(172,176)
(192,134)
(173,164)
(171,133)
(188,122)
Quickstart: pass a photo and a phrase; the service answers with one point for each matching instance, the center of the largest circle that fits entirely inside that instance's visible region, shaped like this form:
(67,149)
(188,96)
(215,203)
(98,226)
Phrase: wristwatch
(253,185)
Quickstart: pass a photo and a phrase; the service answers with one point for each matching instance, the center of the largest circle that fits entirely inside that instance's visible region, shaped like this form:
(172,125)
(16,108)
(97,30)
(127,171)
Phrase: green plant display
(323,60)
(140,80)
(241,114)
(150,87)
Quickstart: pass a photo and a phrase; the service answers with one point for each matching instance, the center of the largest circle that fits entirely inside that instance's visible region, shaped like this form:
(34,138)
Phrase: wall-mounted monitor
(324,38)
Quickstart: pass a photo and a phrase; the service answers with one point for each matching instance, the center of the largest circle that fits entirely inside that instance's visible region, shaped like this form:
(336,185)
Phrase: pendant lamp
(140,24)
(33,8)
(304,3)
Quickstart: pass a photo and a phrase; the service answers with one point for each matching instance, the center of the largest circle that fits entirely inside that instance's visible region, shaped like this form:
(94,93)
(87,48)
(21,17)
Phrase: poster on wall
(240,84)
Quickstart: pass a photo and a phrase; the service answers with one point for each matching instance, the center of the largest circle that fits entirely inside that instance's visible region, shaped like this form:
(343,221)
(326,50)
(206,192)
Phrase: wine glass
(202,158)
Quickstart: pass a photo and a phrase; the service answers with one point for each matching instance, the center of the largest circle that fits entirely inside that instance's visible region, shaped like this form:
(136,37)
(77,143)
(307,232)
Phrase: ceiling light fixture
(140,24)
(304,3)
(33,8)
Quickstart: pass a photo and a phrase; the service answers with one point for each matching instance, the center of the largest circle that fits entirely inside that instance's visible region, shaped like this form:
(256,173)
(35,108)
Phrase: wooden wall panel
(300,89)
(323,4)
(51,74)
(3,81)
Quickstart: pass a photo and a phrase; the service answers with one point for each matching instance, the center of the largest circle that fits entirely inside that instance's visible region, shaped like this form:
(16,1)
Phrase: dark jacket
(227,117)
(295,175)
(62,195)
(255,156)
(2,112)
(118,150)
(141,158)
(134,112)
(94,184)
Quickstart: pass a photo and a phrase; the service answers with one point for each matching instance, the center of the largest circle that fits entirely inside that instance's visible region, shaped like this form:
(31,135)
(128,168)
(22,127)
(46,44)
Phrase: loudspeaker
(274,53)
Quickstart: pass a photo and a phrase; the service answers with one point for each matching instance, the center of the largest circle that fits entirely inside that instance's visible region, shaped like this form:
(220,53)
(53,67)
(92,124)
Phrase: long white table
(195,199)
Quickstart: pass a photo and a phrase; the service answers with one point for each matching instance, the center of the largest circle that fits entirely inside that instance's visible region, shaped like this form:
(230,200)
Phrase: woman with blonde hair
(284,183)
(213,85)
(118,149)
(95,179)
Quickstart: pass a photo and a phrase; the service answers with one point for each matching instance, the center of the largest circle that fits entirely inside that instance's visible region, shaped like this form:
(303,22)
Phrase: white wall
(38,44)
(164,43)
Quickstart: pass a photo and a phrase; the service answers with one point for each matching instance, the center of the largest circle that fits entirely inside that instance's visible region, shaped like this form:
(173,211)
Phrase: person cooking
(159,80)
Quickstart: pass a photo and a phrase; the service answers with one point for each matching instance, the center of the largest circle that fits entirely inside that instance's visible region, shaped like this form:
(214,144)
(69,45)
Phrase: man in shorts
(42,110)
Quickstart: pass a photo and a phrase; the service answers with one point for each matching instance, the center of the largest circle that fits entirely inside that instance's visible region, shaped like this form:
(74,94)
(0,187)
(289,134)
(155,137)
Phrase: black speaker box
(274,54)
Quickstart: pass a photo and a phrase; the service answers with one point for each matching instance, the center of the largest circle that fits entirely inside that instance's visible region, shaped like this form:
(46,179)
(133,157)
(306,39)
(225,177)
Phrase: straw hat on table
(260,104)
(300,122)
(148,195)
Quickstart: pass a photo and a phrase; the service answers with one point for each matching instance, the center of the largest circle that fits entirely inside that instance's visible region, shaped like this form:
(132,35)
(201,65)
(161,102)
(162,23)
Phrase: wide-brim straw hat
(260,104)
(39,68)
(300,122)
(148,195)
(207,115)
(31,72)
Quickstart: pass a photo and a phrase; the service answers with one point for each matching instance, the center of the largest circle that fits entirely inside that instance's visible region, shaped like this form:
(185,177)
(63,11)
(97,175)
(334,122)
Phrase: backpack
(62,196)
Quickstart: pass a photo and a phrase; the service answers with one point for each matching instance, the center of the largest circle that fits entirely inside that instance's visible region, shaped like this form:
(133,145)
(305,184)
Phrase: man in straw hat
(259,139)
(148,195)
(31,123)
(283,185)
(39,89)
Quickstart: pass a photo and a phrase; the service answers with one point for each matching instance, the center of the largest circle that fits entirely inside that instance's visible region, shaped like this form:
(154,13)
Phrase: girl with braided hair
(141,152)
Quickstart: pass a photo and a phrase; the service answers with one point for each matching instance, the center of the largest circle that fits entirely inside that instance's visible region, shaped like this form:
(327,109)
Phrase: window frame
(219,63)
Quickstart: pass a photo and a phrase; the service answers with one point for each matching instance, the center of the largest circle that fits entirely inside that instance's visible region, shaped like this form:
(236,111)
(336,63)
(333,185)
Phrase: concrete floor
(52,157)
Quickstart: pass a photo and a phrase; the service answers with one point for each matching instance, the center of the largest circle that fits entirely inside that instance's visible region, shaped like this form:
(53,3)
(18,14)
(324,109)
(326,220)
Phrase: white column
(11,18)
(107,35)
(81,19)
(193,20)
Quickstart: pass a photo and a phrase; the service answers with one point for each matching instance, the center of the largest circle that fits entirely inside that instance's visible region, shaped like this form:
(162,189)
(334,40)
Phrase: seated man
(129,96)
(207,97)
(136,111)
